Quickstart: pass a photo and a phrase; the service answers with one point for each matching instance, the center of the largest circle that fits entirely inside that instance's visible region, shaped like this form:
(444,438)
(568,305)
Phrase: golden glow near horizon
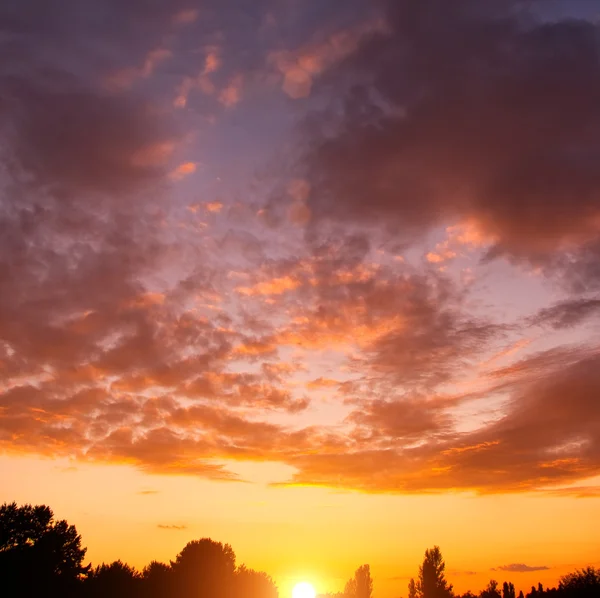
(303,590)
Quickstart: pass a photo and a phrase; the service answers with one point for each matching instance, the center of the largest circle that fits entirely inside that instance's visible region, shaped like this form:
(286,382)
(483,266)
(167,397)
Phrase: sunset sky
(316,278)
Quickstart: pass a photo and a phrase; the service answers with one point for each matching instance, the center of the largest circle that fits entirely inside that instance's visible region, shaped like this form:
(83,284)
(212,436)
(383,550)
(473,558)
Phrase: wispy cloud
(520,568)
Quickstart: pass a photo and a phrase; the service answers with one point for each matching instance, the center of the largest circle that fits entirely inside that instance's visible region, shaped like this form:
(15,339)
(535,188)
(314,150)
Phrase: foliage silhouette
(491,591)
(581,584)
(43,558)
(361,585)
(117,580)
(38,555)
(204,567)
(432,581)
(412,589)
(254,584)
(157,580)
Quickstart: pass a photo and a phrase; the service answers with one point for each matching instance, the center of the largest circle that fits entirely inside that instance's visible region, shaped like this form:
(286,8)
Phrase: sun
(303,590)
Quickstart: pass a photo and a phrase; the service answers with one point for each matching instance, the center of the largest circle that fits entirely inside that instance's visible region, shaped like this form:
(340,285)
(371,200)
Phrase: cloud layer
(165,306)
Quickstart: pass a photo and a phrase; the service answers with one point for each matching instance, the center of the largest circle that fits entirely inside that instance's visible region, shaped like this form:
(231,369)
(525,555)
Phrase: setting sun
(303,590)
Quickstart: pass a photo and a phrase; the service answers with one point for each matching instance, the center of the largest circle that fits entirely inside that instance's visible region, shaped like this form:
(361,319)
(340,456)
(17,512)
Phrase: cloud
(214,207)
(172,527)
(276,286)
(432,137)
(232,93)
(202,80)
(183,170)
(567,313)
(126,77)
(520,568)
(319,383)
(301,66)
(187,16)
(576,491)
(539,440)
(130,333)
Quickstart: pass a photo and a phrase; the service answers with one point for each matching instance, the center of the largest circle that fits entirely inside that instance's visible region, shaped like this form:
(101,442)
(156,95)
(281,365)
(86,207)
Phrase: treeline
(44,558)
(431,583)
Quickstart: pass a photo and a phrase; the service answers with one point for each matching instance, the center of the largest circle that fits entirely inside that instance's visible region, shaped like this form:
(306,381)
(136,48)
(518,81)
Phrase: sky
(316,278)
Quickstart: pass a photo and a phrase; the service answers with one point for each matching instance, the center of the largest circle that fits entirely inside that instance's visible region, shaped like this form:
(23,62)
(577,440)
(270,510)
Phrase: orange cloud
(301,67)
(232,94)
(212,62)
(183,170)
(322,383)
(202,81)
(277,286)
(214,207)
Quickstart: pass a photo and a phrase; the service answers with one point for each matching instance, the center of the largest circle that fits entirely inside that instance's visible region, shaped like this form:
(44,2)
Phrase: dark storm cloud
(467,110)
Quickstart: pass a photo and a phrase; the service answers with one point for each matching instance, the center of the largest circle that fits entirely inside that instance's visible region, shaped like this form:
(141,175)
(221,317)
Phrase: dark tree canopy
(582,583)
(432,581)
(116,579)
(204,567)
(38,553)
(157,580)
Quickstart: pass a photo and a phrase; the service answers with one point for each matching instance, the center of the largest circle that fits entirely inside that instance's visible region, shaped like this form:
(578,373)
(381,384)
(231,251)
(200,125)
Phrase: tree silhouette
(37,553)
(491,591)
(582,583)
(42,558)
(117,580)
(361,585)
(156,580)
(432,581)
(253,584)
(204,567)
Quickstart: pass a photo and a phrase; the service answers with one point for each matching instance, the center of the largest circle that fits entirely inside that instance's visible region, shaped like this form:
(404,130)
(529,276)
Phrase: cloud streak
(520,568)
